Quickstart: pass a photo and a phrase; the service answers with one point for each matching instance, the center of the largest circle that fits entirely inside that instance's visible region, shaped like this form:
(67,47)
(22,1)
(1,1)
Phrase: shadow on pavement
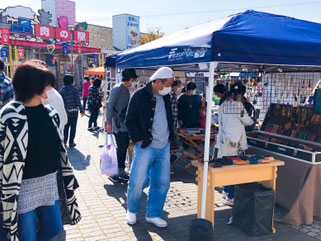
(77,160)
(223,232)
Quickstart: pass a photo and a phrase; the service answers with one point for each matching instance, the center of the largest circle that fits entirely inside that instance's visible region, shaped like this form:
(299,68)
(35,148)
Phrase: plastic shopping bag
(108,157)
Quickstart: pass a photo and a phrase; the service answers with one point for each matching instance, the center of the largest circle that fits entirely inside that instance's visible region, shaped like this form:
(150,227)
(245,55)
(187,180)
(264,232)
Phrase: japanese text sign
(81,36)
(63,34)
(44,32)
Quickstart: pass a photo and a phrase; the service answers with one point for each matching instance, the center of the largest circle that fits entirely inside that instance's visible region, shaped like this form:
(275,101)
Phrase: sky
(173,15)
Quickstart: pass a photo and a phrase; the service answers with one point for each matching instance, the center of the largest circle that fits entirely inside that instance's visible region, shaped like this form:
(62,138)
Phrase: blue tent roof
(248,37)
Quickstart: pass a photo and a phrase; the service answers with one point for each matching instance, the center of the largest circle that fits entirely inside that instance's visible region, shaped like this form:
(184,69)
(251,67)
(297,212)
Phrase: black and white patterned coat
(13,152)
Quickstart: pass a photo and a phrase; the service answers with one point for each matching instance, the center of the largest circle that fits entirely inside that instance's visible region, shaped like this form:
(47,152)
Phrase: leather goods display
(296,134)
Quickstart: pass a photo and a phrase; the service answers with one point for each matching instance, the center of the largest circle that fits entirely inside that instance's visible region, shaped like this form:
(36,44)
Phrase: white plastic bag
(108,157)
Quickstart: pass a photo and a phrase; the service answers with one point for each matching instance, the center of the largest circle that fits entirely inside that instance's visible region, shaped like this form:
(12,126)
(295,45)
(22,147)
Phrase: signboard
(5,35)
(63,34)
(78,48)
(95,58)
(132,31)
(4,52)
(44,32)
(65,48)
(81,36)
(21,53)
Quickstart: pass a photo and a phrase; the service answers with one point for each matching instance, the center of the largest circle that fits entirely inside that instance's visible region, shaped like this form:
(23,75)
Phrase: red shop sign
(78,48)
(4,35)
(44,32)
(63,34)
(81,36)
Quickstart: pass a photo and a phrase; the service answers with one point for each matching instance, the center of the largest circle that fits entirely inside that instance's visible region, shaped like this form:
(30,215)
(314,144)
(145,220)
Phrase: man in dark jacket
(70,95)
(150,125)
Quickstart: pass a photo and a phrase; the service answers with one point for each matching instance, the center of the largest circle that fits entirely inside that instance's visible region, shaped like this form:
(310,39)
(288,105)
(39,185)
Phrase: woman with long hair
(33,162)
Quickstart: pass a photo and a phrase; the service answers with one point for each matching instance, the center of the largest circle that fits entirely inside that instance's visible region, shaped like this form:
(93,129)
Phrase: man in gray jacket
(116,112)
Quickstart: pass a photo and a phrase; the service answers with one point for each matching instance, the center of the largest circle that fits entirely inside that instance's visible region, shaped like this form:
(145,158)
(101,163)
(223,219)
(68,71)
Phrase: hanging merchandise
(21,53)
(65,48)
(4,52)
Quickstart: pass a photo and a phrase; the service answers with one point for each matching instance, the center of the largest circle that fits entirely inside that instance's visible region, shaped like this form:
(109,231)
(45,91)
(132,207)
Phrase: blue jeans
(50,223)
(230,191)
(153,164)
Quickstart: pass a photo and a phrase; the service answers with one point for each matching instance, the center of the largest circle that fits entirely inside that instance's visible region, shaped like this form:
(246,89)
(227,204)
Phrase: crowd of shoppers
(48,120)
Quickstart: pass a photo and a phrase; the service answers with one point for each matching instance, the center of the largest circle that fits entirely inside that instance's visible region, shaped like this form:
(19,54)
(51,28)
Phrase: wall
(60,8)
(49,5)
(66,8)
(119,31)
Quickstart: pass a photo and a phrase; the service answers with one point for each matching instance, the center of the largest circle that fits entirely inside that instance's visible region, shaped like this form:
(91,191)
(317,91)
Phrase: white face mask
(51,95)
(165,91)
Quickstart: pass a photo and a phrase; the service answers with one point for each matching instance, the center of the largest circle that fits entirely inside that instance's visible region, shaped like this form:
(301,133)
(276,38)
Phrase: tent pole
(209,96)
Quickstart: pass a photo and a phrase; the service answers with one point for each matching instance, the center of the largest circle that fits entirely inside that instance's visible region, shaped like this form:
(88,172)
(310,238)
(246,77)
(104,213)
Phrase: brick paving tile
(103,204)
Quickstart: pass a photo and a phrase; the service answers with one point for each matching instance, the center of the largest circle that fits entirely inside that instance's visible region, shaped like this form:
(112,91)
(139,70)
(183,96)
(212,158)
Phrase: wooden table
(232,175)
(193,142)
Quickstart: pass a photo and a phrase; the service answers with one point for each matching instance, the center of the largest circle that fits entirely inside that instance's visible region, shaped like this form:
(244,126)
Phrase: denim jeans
(153,164)
(50,224)
(93,116)
(72,124)
(229,190)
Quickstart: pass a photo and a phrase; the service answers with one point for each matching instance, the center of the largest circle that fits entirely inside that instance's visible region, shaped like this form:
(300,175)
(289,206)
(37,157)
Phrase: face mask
(51,95)
(193,92)
(165,91)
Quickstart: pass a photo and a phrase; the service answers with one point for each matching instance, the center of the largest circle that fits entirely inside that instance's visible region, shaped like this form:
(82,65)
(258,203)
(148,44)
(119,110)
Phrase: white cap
(162,73)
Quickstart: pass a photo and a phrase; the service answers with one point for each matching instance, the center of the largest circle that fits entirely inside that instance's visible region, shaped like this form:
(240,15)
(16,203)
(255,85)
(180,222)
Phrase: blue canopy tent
(248,41)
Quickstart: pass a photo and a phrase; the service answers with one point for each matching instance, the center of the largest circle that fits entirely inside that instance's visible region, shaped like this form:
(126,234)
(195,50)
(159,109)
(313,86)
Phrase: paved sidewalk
(103,204)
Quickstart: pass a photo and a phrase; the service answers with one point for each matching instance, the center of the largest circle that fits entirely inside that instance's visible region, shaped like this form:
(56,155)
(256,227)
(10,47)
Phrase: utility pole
(71,49)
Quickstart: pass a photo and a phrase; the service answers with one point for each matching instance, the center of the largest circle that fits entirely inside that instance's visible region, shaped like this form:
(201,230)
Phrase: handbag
(97,104)
(108,157)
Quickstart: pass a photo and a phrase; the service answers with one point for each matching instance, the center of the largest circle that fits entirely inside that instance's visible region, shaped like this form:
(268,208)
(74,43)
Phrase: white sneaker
(229,202)
(224,195)
(131,218)
(161,223)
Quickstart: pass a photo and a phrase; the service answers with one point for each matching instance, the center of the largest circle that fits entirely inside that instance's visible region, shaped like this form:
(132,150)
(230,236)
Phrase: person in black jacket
(150,125)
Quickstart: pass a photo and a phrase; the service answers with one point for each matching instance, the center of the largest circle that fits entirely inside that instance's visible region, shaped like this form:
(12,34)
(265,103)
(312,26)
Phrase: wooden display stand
(233,175)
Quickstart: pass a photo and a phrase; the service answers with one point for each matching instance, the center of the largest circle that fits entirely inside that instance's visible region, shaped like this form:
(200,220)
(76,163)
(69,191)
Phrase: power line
(235,9)
(223,10)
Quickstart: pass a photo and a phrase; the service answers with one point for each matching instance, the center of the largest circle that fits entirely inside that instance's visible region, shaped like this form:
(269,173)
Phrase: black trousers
(93,116)
(122,140)
(84,102)
(72,124)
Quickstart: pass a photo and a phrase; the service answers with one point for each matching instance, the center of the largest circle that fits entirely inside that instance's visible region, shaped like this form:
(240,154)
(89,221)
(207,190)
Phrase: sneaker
(224,195)
(230,221)
(124,177)
(96,128)
(71,145)
(161,223)
(131,218)
(90,129)
(114,179)
(229,202)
